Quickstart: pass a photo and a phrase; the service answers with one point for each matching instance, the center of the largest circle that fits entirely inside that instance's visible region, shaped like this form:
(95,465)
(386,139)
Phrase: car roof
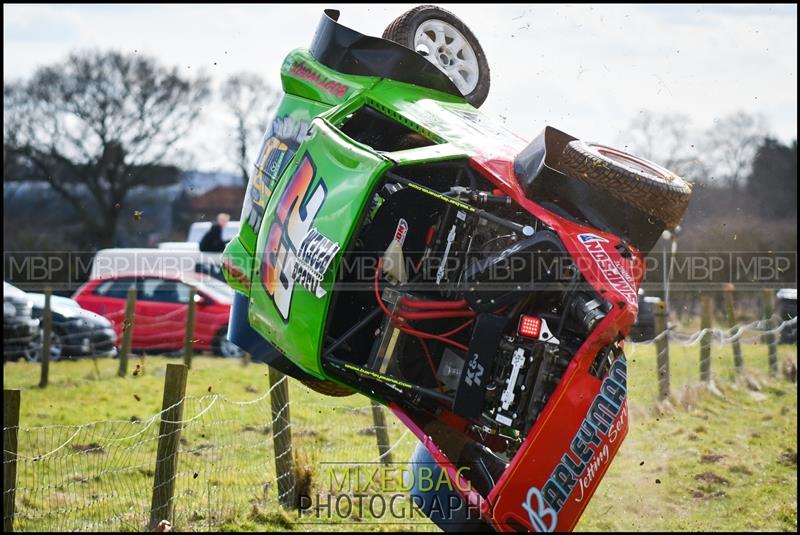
(190,278)
(139,275)
(9,290)
(787,293)
(151,261)
(56,300)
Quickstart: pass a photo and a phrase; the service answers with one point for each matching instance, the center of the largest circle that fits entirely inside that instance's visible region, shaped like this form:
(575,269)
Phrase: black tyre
(445,41)
(56,348)
(649,187)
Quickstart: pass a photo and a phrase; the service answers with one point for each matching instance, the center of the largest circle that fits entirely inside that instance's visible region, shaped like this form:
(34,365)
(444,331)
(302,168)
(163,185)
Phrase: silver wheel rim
(229,349)
(55,350)
(447,48)
(32,356)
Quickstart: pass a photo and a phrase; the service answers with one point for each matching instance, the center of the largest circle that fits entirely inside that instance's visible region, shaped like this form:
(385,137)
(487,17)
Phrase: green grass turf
(708,463)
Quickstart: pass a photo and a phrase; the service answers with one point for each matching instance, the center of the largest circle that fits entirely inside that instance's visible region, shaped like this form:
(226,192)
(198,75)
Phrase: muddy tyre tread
(665,200)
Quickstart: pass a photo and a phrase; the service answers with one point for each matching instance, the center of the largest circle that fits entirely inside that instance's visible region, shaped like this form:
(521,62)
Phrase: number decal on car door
(294,217)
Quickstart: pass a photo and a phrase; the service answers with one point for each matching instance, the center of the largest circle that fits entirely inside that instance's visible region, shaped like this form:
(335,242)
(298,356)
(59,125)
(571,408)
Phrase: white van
(164,261)
(196,232)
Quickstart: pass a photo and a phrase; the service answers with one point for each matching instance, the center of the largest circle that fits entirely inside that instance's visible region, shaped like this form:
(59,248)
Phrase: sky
(585,69)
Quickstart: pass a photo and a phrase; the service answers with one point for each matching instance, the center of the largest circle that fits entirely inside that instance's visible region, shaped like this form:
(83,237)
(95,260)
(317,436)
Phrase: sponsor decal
(376,376)
(401,231)
(543,518)
(474,372)
(290,237)
(280,142)
(289,130)
(588,451)
(300,70)
(313,260)
(612,273)
(441,197)
(588,238)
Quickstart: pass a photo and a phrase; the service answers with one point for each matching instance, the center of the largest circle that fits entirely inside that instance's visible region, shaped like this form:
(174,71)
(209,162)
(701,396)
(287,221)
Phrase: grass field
(722,463)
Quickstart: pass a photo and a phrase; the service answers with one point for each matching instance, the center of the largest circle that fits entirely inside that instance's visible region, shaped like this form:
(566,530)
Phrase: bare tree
(251,103)
(731,145)
(95,126)
(666,139)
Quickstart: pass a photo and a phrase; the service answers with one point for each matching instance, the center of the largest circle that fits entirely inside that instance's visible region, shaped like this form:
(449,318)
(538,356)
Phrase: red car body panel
(158,325)
(547,485)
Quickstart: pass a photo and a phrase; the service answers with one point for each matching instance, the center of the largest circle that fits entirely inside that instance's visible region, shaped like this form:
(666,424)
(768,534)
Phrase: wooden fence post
(381,433)
(127,332)
(662,346)
(47,338)
(767,305)
(188,342)
(10,434)
(168,440)
(730,312)
(282,437)
(705,341)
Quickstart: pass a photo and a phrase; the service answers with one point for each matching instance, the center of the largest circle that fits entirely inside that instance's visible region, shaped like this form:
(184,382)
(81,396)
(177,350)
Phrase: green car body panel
(326,182)
(326,187)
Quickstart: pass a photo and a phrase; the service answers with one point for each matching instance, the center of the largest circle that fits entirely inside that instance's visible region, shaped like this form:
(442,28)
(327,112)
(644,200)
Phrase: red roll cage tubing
(429,312)
(426,310)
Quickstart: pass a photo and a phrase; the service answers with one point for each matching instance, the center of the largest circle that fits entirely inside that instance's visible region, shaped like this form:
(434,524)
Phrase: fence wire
(683,366)
(99,476)
(729,335)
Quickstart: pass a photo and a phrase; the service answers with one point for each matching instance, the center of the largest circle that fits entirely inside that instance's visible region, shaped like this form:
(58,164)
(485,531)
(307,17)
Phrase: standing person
(212,241)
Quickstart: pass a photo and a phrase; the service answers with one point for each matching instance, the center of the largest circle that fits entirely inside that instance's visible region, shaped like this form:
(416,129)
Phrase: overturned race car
(397,243)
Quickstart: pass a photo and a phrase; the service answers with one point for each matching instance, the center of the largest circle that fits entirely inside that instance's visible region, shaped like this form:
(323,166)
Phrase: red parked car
(161,310)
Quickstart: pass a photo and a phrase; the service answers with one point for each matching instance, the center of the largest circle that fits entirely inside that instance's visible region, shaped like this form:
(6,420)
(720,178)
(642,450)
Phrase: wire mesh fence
(756,339)
(100,476)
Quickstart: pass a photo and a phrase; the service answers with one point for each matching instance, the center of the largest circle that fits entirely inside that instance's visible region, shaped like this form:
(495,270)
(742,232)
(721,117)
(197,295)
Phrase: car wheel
(441,38)
(645,185)
(56,349)
(224,347)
